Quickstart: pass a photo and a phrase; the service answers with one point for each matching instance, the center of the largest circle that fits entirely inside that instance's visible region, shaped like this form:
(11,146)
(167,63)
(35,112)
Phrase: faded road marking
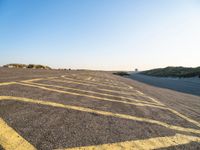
(89,84)
(146,144)
(113,100)
(94,78)
(38,79)
(93,92)
(156,101)
(92,82)
(173,111)
(99,112)
(89,96)
(11,140)
(137,104)
(121,92)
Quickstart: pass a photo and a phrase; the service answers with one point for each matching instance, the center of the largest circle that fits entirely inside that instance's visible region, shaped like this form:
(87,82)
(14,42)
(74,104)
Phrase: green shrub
(173,72)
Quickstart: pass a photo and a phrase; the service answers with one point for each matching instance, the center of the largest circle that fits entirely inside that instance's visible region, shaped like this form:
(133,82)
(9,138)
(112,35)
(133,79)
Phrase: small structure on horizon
(136,70)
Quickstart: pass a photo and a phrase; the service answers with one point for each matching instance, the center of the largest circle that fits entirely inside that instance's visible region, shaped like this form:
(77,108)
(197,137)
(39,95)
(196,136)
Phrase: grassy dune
(173,72)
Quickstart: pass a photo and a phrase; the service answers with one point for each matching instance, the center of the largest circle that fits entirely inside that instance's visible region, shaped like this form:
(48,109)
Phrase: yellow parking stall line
(121,92)
(89,78)
(126,85)
(33,80)
(144,144)
(184,117)
(137,104)
(30,80)
(74,82)
(85,82)
(92,92)
(113,100)
(172,111)
(90,96)
(101,81)
(38,79)
(94,84)
(11,140)
(91,81)
(104,113)
(7,83)
(156,101)
(65,81)
(130,93)
(114,82)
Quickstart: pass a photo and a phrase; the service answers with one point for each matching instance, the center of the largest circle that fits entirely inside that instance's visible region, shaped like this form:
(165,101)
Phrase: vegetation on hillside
(173,72)
(31,66)
(121,73)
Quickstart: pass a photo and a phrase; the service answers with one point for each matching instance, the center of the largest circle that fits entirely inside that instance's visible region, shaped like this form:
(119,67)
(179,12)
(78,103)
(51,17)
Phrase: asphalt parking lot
(48,110)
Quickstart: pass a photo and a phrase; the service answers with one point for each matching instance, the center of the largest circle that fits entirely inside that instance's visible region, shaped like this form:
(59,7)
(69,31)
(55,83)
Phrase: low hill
(31,66)
(173,72)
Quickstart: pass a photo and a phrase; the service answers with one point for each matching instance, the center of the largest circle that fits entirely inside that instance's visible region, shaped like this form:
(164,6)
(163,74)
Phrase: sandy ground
(50,109)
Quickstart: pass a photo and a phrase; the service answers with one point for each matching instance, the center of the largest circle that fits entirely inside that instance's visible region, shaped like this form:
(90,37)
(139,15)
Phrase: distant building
(136,70)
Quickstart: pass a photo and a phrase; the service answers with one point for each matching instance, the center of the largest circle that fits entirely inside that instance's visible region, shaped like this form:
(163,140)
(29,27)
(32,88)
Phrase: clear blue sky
(100,34)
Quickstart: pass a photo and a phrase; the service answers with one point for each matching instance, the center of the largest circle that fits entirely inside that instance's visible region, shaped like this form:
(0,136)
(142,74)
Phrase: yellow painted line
(173,111)
(11,140)
(140,92)
(137,104)
(99,112)
(65,81)
(158,102)
(91,81)
(106,84)
(89,78)
(154,100)
(121,92)
(184,117)
(92,92)
(7,83)
(145,144)
(74,82)
(113,100)
(38,79)
(90,96)
(32,80)
(93,84)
